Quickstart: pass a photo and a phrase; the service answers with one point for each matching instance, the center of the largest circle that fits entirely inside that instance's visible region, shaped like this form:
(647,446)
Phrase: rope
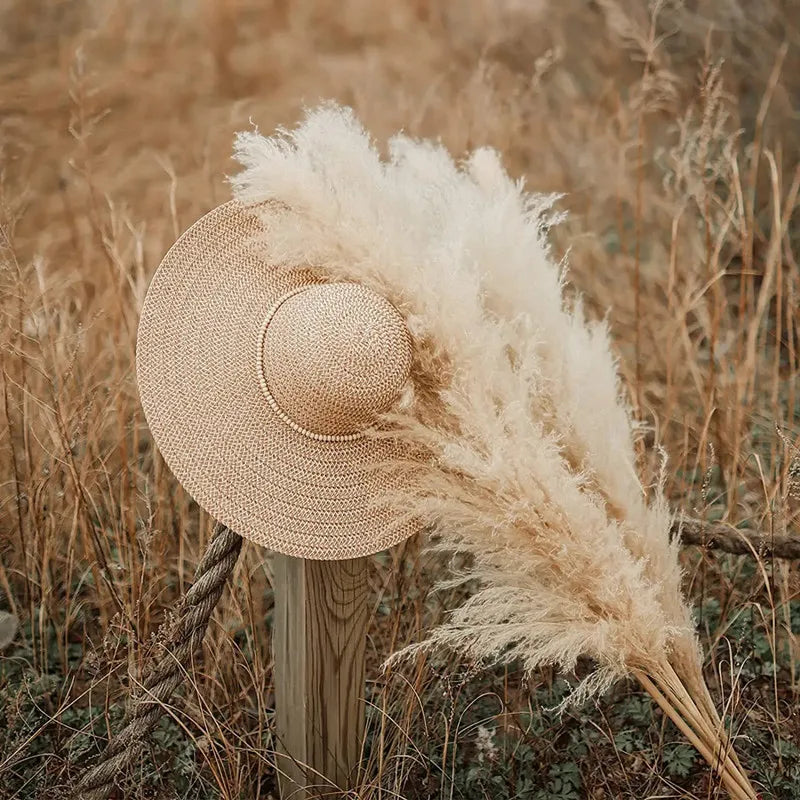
(187,637)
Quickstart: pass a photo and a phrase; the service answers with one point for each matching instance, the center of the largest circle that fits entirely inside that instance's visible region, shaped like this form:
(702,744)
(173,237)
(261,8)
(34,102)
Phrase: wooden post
(319,640)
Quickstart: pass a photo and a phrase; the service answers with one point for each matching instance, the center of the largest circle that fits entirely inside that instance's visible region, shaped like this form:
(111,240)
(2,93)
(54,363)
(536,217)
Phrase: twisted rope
(186,638)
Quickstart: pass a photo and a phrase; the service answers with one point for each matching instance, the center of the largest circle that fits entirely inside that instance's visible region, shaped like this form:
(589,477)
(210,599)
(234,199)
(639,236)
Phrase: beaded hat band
(337,354)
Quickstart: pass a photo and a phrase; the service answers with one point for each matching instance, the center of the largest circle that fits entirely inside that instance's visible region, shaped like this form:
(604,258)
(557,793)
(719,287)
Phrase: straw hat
(259,382)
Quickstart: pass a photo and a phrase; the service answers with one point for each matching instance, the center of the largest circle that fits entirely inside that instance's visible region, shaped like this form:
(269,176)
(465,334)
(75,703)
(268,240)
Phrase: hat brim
(198,383)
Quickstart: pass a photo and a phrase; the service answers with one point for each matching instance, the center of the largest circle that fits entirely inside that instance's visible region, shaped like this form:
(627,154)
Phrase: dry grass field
(672,130)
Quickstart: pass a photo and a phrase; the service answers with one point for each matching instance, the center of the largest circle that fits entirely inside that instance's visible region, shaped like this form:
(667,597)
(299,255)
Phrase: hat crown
(334,356)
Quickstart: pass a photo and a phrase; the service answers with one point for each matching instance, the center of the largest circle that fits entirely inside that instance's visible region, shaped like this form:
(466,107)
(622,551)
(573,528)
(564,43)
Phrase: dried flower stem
(700,733)
(707,708)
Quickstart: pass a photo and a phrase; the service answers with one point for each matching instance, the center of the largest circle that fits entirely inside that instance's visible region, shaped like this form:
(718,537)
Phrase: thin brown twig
(721,536)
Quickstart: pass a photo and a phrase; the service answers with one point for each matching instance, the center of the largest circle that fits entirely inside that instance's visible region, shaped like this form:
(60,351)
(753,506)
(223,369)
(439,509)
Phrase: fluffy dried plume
(529,464)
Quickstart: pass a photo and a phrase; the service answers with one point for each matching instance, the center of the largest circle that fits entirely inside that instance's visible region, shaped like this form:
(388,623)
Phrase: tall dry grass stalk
(529,468)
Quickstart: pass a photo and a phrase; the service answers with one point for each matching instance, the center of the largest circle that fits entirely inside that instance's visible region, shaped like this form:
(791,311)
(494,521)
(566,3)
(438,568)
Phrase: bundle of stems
(687,702)
(521,447)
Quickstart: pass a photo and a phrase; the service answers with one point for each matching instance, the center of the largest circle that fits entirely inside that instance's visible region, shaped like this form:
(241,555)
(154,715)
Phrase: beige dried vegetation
(671,131)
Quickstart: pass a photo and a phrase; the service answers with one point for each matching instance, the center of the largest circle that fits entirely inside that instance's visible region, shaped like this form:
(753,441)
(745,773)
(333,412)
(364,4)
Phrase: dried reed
(530,468)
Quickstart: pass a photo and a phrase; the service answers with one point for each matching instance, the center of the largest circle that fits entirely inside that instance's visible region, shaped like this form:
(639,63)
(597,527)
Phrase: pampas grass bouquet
(530,469)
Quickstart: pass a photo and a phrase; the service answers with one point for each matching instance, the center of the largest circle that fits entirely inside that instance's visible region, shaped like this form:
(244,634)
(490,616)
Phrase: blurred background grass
(672,131)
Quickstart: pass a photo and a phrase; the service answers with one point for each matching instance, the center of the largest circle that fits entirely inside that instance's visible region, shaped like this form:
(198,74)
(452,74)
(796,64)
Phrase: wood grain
(320,642)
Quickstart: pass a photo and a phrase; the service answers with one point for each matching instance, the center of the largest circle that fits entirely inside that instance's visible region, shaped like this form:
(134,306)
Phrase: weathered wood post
(319,638)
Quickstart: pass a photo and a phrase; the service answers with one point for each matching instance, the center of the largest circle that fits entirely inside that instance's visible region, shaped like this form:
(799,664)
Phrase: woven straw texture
(257,381)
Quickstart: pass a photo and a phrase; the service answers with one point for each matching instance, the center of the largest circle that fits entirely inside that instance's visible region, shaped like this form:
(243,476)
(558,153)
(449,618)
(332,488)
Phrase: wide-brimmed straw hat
(260,382)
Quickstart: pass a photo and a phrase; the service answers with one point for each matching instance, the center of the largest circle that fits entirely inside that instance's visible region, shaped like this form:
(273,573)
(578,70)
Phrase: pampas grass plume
(529,464)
